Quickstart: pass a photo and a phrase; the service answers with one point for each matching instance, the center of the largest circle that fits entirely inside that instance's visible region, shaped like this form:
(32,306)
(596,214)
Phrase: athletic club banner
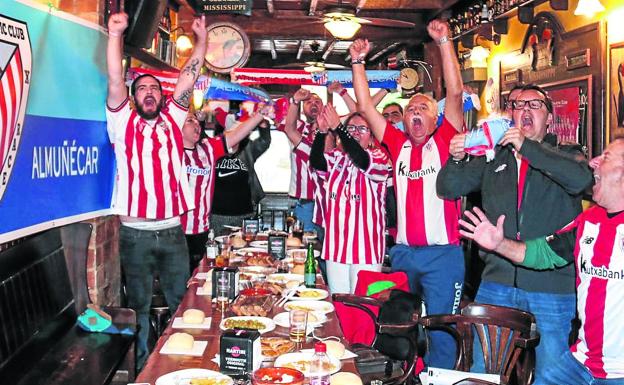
(56,163)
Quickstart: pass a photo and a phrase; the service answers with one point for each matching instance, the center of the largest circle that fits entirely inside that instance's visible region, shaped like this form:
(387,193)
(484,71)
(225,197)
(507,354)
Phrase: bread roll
(193,316)
(345,378)
(238,242)
(298,269)
(293,242)
(180,341)
(334,348)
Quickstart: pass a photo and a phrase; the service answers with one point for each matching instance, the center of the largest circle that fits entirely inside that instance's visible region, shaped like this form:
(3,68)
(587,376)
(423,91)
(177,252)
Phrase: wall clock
(228,47)
(408,78)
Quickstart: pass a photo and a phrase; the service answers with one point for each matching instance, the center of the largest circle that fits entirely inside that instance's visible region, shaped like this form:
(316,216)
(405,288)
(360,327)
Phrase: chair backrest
(503,334)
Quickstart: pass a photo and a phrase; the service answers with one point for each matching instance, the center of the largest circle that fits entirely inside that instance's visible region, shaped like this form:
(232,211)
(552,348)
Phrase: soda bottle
(309,271)
(320,367)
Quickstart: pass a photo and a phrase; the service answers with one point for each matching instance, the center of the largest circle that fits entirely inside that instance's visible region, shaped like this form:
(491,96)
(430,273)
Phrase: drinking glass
(298,324)
(223,290)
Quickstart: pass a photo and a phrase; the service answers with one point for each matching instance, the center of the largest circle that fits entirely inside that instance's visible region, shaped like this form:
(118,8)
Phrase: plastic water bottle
(320,365)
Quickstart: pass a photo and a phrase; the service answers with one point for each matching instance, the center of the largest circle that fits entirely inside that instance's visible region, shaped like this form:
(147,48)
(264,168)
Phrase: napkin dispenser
(240,351)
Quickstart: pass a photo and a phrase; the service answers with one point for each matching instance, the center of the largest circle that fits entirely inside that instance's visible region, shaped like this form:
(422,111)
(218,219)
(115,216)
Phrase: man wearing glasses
(537,185)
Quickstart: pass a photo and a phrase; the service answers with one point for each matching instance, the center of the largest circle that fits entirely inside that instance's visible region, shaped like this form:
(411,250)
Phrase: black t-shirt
(232,193)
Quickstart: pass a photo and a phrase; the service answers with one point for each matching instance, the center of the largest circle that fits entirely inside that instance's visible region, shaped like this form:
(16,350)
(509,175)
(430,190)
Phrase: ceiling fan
(317,64)
(341,21)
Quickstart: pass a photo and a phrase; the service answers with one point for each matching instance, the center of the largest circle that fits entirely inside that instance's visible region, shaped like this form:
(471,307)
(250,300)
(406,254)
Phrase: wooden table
(160,364)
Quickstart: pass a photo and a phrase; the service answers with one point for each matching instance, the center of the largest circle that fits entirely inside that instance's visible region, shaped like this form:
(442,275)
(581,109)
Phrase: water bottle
(320,366)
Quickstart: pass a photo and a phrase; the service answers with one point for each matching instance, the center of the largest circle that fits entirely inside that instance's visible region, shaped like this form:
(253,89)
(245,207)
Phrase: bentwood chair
(506,336)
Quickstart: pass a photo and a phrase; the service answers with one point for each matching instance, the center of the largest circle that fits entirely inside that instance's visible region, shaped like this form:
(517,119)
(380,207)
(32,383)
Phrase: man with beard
(301,183)
(593,244)
(151,190)
(537,184)
(427,239)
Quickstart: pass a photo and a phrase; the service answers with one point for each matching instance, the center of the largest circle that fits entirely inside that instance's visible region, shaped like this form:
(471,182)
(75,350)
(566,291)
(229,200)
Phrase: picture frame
(615,90)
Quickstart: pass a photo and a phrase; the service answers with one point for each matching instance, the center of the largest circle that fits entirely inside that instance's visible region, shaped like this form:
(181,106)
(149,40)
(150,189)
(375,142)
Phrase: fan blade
(331,66)
(379,22)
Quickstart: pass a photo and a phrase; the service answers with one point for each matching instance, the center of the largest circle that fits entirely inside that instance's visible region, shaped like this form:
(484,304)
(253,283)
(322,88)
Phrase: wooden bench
(42,291)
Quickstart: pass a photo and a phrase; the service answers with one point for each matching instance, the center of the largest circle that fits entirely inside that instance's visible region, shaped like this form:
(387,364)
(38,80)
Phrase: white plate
(221,238)
(317,306)
(197,350)
(233,228)
(282,278)
(178,323)
(269,324)
(183,377)
(259,244)
(258,270)
(348,354)
(246,250)
(287,358)
(283,319)
(322,294)
(290,252)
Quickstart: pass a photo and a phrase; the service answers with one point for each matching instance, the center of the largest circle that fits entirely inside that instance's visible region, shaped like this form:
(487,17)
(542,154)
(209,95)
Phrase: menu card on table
(277,246)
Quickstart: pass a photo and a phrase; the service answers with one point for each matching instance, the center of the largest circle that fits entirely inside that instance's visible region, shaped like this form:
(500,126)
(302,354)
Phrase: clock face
(408,78)
(228,47)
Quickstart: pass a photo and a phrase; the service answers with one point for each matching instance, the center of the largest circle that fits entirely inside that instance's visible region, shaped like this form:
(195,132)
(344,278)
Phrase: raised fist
(117,23)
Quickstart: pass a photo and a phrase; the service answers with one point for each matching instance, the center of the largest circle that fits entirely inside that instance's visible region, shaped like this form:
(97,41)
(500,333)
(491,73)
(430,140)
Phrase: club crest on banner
(15,74)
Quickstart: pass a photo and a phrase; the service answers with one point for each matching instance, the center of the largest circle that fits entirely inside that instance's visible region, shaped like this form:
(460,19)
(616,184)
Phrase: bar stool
(159,311)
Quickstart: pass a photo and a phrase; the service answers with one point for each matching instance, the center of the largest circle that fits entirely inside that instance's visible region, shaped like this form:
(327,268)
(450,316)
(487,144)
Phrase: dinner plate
(282,278)
(305,294)
(301,362)
(245,250)
(283,319)
(290,252)
(184,377)
(259,244)
(317,306)
(258,270)
(269,324)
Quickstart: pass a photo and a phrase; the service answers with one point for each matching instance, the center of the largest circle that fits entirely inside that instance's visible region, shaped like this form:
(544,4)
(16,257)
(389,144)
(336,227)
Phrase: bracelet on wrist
(292,100)
(443,40)
(358,61)
(342,92)
(114,34)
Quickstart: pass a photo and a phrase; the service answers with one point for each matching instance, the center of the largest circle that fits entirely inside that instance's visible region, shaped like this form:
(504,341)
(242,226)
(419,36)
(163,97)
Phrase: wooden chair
(407,330)
(506,336)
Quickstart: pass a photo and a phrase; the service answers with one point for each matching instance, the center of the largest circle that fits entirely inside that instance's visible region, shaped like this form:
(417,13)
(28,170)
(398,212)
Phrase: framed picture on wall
(572,108)
(615,90)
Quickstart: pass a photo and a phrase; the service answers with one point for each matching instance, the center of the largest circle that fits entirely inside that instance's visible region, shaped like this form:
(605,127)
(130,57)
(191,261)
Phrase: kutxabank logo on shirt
(15,73)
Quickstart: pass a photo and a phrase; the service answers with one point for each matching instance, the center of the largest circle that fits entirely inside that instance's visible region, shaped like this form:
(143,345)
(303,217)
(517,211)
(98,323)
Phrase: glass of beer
(223,290)
(298,324)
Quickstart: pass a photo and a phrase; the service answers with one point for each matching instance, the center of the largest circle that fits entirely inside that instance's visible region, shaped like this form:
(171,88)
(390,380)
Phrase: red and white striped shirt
(199,163)
(319,179)
(150,182)
(355,212)
(423,219)
(301,183)
(599,254)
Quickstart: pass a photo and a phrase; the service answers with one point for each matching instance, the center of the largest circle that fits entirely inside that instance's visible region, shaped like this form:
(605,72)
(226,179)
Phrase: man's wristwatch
(443,39)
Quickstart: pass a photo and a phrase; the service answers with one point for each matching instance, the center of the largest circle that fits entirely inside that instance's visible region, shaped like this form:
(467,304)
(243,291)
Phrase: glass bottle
(309,271)
(212,248)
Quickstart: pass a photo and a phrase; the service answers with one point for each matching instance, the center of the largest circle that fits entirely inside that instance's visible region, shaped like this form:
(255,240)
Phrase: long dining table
(160,364)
